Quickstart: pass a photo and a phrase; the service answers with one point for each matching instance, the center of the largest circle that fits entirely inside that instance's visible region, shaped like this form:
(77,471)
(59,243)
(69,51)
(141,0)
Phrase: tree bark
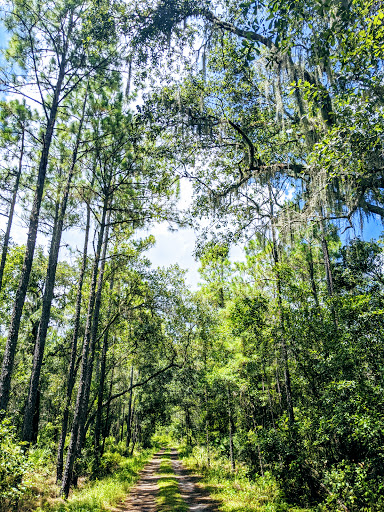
(94,339)
(311,271)
(327,262)
(107,425)
(122,424)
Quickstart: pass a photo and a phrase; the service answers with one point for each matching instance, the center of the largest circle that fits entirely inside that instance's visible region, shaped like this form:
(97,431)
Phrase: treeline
(274,111)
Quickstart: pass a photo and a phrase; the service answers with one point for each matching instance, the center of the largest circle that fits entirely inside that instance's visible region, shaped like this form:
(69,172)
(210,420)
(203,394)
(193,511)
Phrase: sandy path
(197,499)
(142,498)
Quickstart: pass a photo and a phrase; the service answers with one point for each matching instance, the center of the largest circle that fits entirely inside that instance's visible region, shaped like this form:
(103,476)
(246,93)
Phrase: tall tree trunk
(93,342)
(11,211)
(122,424)
(72,363)
(327,261)
(36,419)
(188,426)
(134,435)
(80,408)
(106,427)
(48,293)
(230,430)
(101,385)
(311,271)
(269,396)
(13,333)
(129,415)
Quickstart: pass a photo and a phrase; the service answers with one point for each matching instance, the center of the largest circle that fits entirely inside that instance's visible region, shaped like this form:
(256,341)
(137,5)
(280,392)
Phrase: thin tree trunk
(13,333)
(93,342)
(230,431)
(327,262)
(269,396)
(188,427)
(36,419)
(106,430)
(134,436)
(311,271)
(328,269)
(80,408)
(122,419)
(129,418)
(101,385)
(207,442)
(48,293)
(283,344)
(278,387)
(72,364)
(11,211)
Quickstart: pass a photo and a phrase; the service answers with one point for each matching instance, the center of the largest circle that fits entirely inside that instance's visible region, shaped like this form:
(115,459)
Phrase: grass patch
(234,491)
(168,498)
(97,495)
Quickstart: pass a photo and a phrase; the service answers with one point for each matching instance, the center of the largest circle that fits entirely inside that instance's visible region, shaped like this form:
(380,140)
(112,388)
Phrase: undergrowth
(234,491)
(94,495)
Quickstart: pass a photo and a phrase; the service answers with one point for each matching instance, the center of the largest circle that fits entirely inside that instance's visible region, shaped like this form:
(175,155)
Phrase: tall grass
(99,495)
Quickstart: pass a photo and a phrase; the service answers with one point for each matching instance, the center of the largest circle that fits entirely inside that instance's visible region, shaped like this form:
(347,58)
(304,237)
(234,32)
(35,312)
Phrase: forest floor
(165,485)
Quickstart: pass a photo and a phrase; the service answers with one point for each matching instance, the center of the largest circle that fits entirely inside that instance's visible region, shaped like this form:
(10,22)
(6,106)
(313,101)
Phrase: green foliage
(14,465)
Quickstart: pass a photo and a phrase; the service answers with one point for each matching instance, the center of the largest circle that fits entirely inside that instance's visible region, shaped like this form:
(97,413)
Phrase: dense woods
(273,110)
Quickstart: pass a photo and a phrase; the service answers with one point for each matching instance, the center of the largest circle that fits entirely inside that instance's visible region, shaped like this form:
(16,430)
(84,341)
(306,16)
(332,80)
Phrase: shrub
(13,466)
(110,462)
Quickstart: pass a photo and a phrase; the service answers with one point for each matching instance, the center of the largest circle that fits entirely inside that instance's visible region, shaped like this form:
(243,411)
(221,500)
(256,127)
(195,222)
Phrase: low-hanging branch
(138,384)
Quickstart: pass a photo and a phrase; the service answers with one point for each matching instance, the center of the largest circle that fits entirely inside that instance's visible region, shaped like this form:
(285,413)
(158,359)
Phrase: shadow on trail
(197,498)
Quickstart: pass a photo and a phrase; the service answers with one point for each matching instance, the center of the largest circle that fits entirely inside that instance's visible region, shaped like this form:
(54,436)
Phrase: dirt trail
(142,498)
(197,499)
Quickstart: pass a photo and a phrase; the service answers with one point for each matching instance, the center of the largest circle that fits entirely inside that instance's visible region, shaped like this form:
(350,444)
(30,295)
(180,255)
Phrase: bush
(112,446)
(13,466)
(110,462)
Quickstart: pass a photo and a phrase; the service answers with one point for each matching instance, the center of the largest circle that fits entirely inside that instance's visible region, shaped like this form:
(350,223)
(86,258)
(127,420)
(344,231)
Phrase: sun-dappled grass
(97,495)
(168,498)
(234,491)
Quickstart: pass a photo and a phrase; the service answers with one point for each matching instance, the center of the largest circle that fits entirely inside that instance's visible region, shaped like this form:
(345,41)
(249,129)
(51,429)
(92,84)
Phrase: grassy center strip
(169,498)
